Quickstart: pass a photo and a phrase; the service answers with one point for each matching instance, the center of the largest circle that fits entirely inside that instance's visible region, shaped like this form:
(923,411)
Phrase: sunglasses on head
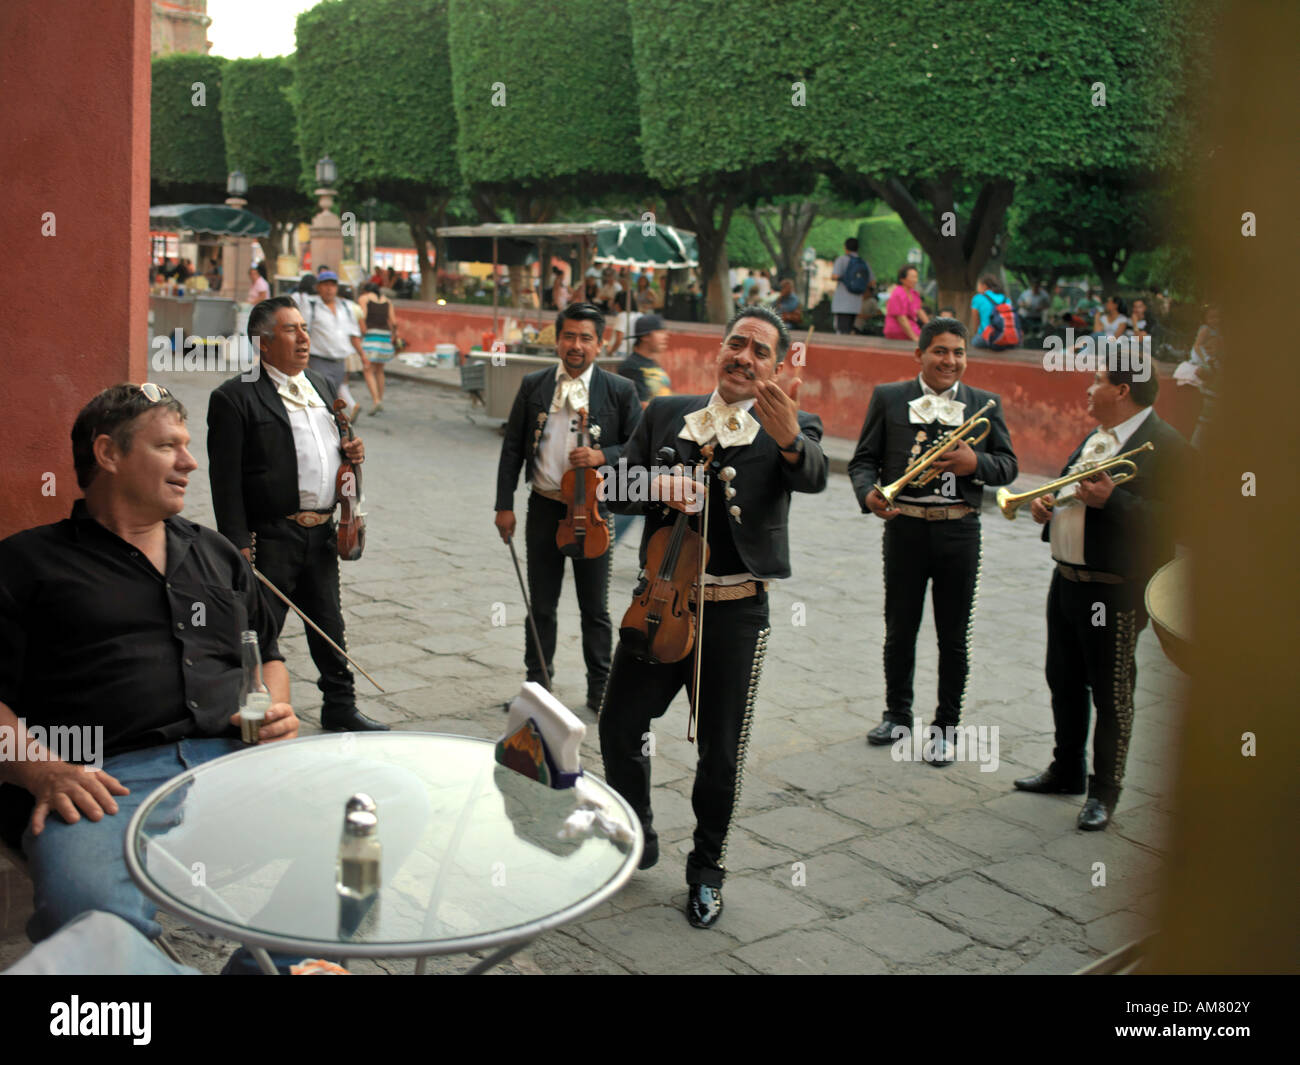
(152,392)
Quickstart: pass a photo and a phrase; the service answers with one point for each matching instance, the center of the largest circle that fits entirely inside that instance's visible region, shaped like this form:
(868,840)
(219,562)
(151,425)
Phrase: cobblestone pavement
(842,860)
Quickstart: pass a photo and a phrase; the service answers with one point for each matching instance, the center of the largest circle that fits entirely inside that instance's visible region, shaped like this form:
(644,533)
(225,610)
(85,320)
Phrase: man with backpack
(852,278)
(993,321)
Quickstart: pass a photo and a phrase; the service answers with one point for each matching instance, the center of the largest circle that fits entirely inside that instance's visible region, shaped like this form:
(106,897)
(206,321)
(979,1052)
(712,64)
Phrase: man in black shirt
(119,624)
(640,367)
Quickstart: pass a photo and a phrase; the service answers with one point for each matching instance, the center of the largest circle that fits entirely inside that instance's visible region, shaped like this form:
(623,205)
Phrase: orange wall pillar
(74,167)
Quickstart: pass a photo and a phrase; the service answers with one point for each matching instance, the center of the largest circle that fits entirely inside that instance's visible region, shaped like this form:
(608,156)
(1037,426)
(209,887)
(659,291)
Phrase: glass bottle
(254,699)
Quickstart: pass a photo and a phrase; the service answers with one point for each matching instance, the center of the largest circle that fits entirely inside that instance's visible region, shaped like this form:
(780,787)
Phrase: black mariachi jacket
(611,403)
(763,481)
(252,462)
(884,449)
(1133,534)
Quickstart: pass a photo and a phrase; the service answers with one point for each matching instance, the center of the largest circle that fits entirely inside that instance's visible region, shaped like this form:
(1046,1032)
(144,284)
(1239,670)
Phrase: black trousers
(735,643)
(945,554)
(304,564)
(1092,632)
(546,578)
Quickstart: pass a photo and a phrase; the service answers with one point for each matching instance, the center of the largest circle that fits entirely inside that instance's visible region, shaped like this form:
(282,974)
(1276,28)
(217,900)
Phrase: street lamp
(809,263)
(236,186)
(327,173)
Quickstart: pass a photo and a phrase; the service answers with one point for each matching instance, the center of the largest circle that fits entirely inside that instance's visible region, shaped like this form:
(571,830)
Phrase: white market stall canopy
(632,243)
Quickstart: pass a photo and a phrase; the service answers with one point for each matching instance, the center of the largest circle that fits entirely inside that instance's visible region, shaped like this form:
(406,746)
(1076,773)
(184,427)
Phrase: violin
(347,486)
(582,533)
(660,626)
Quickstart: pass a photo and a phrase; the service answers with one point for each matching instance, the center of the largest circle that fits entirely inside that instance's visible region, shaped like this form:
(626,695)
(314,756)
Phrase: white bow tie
(926,409)
(732,426)
(569,390)
(298,393)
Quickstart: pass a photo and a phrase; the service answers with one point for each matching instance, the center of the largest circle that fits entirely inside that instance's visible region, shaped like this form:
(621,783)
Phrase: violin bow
(289,602)
(532,625)
(692,721)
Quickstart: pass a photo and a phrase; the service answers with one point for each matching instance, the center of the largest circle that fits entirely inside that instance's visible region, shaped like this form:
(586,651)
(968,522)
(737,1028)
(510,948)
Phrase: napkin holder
(542,738)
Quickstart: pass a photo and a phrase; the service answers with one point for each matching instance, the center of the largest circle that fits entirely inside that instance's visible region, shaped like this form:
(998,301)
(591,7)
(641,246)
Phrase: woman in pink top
(904,315)
(258,289)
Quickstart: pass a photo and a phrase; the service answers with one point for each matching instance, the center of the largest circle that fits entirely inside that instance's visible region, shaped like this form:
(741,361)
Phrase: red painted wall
(74,140)
(1045,412)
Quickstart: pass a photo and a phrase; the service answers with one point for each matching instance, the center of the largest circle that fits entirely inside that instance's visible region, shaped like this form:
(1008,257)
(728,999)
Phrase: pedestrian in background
(787,304)
(258,289)
(904,314)
(334,333)
(852,277)
(380,324)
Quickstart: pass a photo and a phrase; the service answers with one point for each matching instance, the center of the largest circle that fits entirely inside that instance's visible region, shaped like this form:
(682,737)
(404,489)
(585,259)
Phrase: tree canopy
(261,136)
(963,100)
(545,101)
(187,152)
(368,74)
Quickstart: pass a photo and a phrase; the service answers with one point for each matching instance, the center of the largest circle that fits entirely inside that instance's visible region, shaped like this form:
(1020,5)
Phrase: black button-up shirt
(92,634)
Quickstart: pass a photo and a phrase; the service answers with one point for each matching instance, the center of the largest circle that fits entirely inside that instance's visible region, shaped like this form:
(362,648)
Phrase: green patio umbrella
(628,244)
(208,218)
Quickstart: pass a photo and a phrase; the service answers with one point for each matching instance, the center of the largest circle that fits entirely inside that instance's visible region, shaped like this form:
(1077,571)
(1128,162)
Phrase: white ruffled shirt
(1068,521)
(559,436)
(315,438)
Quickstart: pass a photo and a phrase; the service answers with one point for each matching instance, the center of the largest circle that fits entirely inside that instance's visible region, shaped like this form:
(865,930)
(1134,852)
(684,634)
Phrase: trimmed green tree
(545,102)
(261,136)
(1102,220)
(722,90)
(187,153)
(943,109)
(546,108)
(371,86)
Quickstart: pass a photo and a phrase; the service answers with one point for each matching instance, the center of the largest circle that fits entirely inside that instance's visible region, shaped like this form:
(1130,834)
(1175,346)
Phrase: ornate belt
(725,593)
(309,519)
(908,510)
(1071,573)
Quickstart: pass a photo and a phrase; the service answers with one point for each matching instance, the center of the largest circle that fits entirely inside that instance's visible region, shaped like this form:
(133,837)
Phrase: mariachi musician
(544,437)
(1108,537)
(933,530)
(759,448)
(273,460)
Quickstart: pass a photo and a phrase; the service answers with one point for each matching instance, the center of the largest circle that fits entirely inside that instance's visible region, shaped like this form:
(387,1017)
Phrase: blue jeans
(82,866)
(97,944)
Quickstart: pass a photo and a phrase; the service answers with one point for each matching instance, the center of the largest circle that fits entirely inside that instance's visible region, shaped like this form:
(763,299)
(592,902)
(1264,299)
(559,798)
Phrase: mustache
(731,366)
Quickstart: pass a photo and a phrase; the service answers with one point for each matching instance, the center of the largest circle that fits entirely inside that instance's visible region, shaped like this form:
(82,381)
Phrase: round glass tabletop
(474,855)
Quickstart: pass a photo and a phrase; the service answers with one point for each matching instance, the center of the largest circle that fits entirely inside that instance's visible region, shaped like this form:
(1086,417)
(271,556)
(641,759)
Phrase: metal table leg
(497,958)
(486,964)
(263,959)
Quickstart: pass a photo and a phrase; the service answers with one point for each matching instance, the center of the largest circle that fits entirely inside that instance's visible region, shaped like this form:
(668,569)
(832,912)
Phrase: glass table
(475,856)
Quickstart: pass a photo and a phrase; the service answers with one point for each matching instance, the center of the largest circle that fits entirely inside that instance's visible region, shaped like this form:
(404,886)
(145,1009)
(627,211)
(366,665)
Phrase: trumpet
(1009,504)
(920,472)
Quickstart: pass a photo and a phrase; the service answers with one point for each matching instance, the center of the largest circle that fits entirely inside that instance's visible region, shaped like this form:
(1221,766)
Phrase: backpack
(857,275)
(1003,330)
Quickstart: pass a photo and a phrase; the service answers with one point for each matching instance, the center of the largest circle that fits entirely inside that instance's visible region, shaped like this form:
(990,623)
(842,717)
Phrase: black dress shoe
(350,721)
(883,734)
(938,749)
(650,855)
(1094,816)
(1051,782)
(703,905)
